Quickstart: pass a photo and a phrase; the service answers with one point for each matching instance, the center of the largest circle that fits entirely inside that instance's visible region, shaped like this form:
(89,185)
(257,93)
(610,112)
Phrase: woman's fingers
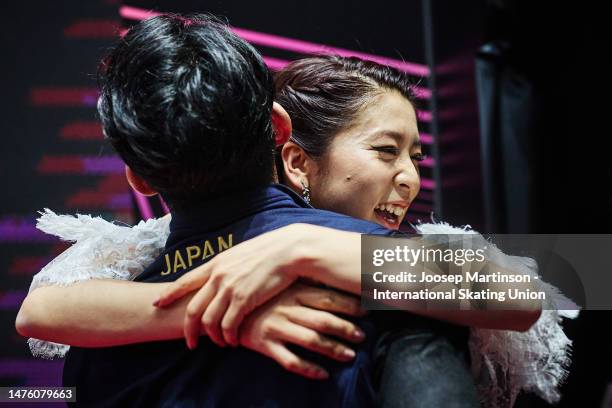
(193,315)
(311,340)
(231,322)
(187,283)
(330,300)
(327,323)
(211,319)
(295,364)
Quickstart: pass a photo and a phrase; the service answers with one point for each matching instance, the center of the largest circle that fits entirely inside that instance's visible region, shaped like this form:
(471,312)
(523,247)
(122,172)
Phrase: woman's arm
(237,280)
(336,260)
(79,298)
(101,313)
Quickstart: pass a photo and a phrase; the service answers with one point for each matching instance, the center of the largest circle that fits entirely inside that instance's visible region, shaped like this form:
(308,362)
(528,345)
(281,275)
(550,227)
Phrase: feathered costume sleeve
(100,250)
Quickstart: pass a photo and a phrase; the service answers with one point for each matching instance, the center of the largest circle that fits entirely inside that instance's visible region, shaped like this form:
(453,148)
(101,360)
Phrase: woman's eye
(419,157)
(387,149)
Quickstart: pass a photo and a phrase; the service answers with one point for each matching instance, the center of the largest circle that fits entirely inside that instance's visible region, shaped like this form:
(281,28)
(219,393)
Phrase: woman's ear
(298,166)
(138,183)
(281,122)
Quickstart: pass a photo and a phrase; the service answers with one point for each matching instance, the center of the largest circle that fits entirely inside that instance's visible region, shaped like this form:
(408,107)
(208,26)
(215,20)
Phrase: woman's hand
(302,315)
(238,280)
(234,283)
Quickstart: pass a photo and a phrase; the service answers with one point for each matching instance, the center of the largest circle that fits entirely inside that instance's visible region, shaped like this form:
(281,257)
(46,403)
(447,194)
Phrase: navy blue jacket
(167,374)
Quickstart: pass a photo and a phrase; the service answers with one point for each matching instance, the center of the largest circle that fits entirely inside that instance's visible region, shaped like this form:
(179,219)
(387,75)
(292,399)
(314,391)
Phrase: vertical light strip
(434,128)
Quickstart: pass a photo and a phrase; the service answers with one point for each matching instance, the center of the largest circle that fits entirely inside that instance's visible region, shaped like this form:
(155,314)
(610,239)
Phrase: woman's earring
(305,192)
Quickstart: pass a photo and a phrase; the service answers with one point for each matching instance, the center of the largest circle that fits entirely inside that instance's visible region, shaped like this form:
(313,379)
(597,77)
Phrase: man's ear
(281,122)
(138,183)
(298,166)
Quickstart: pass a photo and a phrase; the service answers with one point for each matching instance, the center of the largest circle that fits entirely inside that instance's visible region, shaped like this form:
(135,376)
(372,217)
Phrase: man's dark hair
(187,105)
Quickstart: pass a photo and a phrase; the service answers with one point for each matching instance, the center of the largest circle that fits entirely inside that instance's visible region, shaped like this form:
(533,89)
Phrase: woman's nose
(408,180)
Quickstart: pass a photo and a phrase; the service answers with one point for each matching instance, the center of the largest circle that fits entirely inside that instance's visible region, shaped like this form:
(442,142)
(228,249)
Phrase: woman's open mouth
(390,215)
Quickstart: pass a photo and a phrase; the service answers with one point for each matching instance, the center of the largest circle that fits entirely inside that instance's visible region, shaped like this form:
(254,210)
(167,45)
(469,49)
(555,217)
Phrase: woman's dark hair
(187,105)
(324,94)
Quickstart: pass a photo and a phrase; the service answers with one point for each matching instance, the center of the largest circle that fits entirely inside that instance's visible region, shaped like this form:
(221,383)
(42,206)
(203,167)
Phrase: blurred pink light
(275,64)
(426,138)
(290,44)
(82,131)
(58,96)
(424,116)
(144,206)
(428,184)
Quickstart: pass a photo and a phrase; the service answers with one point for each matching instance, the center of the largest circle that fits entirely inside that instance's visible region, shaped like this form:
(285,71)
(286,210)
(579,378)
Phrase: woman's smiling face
(370,170)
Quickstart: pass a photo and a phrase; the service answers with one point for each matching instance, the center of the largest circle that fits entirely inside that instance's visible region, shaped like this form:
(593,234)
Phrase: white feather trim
(101,250)
(505,363)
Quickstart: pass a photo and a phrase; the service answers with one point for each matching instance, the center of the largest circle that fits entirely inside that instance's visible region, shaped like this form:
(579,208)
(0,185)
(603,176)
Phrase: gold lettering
(224,245)
(192,253)
(178,261)
(166,272)
(208,250)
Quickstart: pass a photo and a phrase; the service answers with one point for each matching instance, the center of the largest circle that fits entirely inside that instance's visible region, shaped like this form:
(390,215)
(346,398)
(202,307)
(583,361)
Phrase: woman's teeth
(391,209)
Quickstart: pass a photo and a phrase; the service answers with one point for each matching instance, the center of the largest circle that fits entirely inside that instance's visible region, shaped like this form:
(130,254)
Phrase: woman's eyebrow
(399,137)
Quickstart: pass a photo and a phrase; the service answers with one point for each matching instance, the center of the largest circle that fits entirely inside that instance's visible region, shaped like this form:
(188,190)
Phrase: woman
(354,147)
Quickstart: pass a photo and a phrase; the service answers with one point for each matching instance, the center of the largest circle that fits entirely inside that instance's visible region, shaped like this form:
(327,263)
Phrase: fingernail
(348,353)
(359,334)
